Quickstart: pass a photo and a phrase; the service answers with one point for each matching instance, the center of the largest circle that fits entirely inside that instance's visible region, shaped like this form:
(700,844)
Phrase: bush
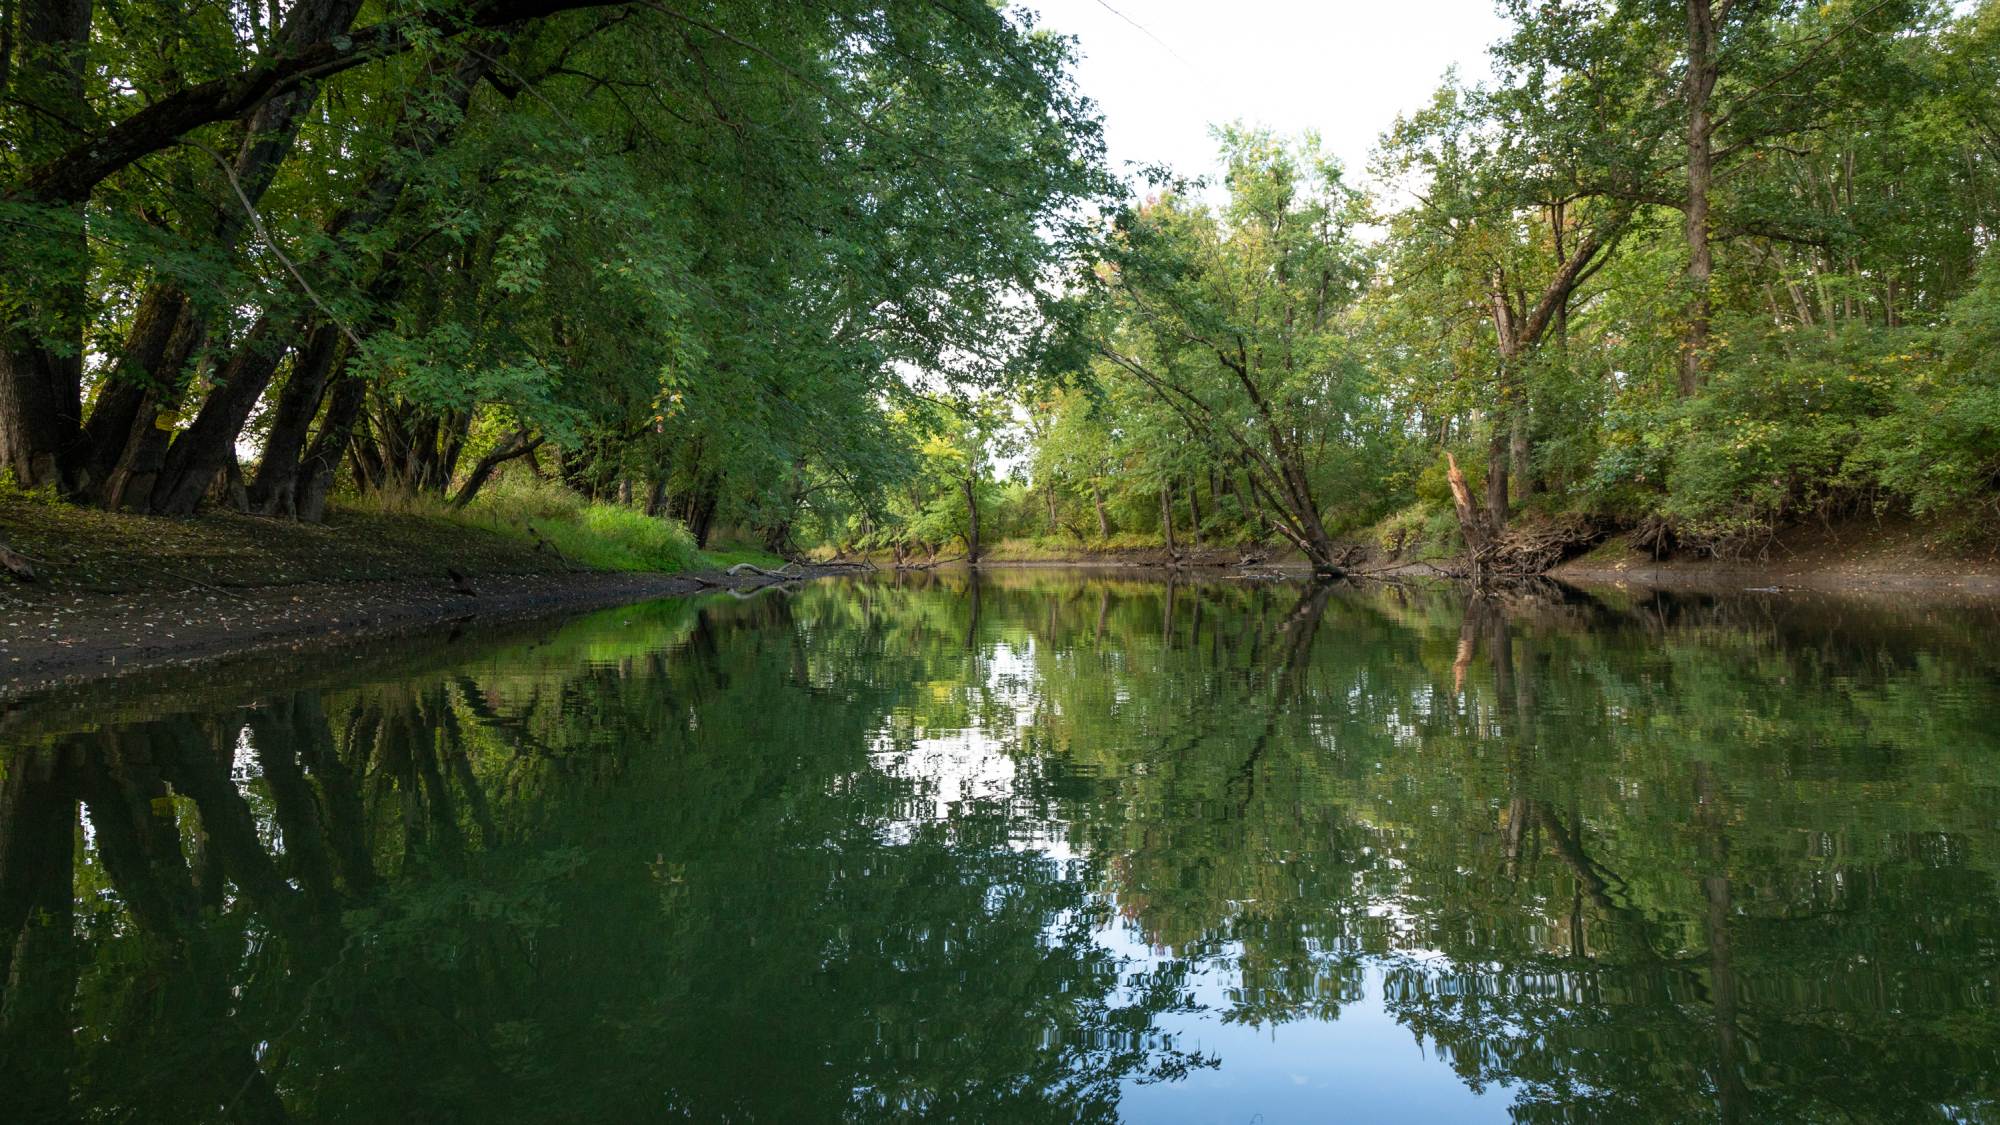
(1940,447)
(1771,439)
(1424,530)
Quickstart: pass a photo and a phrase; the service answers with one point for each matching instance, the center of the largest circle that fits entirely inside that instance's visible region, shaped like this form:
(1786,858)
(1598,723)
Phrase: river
(1036,846)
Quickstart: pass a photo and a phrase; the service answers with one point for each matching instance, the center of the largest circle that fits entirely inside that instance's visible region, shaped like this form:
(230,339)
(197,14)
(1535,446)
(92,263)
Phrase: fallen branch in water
(789,570)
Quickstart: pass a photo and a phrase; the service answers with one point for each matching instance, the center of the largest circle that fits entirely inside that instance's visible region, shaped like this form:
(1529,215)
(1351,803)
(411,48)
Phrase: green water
(1044,847)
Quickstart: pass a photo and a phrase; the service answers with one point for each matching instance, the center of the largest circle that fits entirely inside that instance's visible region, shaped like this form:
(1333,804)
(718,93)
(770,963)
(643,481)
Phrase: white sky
(1343,67)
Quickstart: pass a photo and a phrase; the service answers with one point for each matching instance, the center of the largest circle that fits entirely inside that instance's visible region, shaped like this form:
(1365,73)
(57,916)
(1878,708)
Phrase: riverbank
(116,593)
(1887,556)
(1859,556)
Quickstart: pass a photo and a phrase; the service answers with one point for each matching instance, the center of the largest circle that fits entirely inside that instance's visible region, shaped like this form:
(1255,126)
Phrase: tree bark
(274,491)
(971,490)
(1520,472)
(1097,501)
(41,350)
(1471,521)
(322,460)
(207,446)
(701,507)
(518,444)
(1497,456)
(1167,516)
(1194,512)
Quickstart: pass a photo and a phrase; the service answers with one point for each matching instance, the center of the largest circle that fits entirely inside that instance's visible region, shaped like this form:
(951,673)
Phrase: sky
(1345,68)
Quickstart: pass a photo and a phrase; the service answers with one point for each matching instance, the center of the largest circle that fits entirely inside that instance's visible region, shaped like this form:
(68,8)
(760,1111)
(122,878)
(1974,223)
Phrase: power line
(1147,32)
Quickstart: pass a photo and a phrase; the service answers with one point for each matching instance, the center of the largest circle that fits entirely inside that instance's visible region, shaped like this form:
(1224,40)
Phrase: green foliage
(1940,444)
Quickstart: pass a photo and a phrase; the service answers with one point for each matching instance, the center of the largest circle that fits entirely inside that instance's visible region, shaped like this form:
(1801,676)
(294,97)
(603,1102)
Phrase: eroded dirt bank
(1864,556)
(113,594)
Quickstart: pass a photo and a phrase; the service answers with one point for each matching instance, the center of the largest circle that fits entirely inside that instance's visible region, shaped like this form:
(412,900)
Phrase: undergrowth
(586,532)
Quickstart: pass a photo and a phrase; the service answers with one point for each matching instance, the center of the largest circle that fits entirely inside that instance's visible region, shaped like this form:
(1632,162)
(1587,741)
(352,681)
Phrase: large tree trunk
(1167,516)
(41,352)
(204,448)
(164,337)
(1497,456)
(1097,501)
(208,445)
(1700,85)
(1520,470)
(40,392)
(151,374)
(322,459)
(274,492)
(701,505)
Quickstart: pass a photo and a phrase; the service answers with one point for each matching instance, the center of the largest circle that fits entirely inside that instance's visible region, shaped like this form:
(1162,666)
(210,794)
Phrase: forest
(859,278)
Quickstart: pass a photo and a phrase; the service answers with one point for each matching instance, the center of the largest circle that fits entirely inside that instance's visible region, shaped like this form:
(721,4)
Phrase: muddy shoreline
(48,645)
(87,637)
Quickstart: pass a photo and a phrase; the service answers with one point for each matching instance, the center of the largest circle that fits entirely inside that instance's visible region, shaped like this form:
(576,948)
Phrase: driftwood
(788,571)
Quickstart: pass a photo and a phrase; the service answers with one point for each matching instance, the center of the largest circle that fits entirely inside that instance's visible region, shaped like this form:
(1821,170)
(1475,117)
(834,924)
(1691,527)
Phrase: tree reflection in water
(1672,860)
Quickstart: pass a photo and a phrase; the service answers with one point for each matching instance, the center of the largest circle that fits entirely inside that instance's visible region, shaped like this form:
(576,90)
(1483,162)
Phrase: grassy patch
(533,512)
(364,539)
(728,555)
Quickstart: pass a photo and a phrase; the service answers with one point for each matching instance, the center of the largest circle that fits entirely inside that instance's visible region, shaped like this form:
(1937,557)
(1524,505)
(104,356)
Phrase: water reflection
(1029,848)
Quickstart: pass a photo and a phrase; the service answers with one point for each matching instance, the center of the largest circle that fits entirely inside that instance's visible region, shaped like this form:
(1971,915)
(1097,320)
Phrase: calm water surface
(1040,847)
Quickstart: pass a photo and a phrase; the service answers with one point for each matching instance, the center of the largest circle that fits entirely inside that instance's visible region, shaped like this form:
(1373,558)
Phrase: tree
(1237,322)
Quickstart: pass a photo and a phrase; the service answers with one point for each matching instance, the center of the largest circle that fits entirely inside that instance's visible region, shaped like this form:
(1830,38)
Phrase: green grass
(724,557)
(587,533)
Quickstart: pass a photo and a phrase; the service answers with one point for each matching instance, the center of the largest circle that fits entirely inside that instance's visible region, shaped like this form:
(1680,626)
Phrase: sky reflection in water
(1042,847)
